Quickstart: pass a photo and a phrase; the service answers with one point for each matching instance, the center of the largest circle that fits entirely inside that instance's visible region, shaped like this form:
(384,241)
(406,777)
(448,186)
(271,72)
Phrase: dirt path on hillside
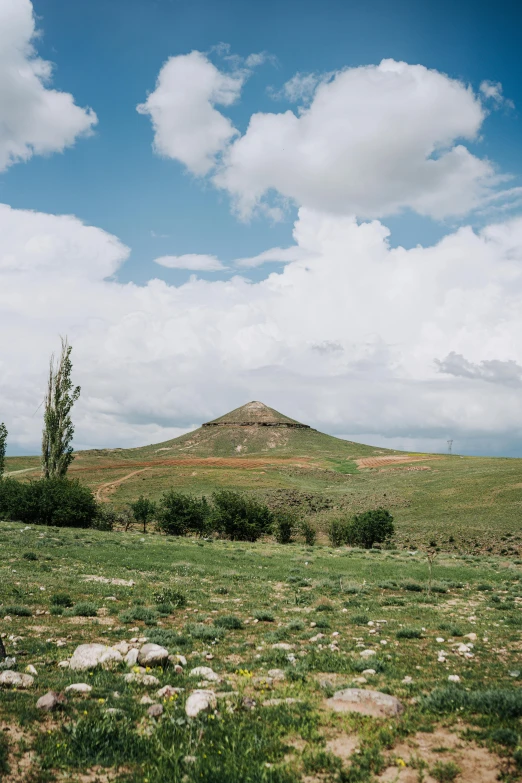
(105,490)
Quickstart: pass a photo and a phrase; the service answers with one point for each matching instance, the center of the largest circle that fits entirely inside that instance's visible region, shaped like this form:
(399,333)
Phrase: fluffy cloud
(374,140)
(493,91)
(346,338)
(34,119)
(187,126)
(197,262)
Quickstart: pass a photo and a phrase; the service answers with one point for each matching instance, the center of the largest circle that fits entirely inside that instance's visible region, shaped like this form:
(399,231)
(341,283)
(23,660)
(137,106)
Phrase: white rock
(369,672)
(463,648)
(152,655)
(79,687)
(205,672)
(282,646)
(10,679)
(471,636)
(31,670)
(198,701)
(87,656)
(367,653)
(110,658)
(317,637)
(439,639)
(453,678)
(131,658)
(121,647)
(146,700)
(407,680)
(141,679)
(276,674)
(64,664)
(178,659)
(167,691)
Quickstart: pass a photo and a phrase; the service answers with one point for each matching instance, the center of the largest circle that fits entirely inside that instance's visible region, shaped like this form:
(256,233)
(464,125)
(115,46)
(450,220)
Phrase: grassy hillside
(325,619)
(472,503)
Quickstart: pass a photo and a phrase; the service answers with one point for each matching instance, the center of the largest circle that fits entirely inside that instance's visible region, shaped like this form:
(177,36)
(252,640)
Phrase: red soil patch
(219,462)
(377,462)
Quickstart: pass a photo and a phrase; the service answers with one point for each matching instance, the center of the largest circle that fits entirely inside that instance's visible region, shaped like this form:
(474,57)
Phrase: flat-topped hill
(255,414)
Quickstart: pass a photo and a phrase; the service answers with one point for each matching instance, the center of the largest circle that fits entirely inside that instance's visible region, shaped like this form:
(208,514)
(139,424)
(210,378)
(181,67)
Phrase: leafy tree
(3,439)
(57,452)
(179,513)
(285,525)
(53,501)
(240,518)
(143,510)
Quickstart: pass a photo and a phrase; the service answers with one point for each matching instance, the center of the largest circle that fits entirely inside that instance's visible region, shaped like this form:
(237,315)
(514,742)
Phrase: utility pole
(450,445)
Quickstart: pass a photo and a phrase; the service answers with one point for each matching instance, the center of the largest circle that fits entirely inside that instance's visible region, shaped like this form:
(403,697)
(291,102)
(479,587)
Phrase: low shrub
(56,611)
(412,587)
(206,633)
(360,619)
(171,595)
(505,703)
(264,617)
(445,771)
(140,613)
(338,532)
(408,633)
(229,621)
(179,514)
(60,502)
(106,517)
(506,737)
(30,556)
(61,599)
(83,609)
(17,611)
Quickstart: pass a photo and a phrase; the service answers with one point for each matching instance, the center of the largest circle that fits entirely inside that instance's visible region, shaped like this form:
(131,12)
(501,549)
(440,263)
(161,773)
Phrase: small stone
(152,655)
(367,653)
(178,659)
(146,700)
(121,647)
(282,646)
(249,703)
(407,680)
(317,637)
(11,679)
(453,678)
(276,674)
(31,670)
(79,687)
(205,672)
(155,710)
(277,702)
(439,639)
(360,680)
(110,659)
(50,701)
(369,672)
(313,625)
(64,664)
(199,701)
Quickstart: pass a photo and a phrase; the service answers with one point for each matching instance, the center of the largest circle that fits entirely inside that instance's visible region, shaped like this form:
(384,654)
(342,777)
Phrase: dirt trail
(105,490)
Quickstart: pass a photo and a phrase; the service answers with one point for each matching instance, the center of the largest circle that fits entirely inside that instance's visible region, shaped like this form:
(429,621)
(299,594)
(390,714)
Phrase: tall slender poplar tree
(3,440)
(57,452)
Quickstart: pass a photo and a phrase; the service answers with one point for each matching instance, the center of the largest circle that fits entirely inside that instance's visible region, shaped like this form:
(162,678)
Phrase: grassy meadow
(244,610)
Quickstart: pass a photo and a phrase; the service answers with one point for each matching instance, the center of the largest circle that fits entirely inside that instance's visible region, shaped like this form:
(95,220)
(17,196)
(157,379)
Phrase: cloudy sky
(313,203)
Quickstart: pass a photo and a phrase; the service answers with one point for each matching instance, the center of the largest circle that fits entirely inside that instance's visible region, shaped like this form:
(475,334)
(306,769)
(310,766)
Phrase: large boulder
(365,702)
(152,655)
(87,656)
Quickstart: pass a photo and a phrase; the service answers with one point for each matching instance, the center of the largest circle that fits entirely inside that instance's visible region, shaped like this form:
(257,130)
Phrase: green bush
(409,633)
(285,525)
(264,617)
(142,613)
(58,501)
(308,531)
(240,518)
(61,599)
(369,528)
(106,517)
(445,771)
(338,532)
(171,595)
(205,633)
(17,611)
(505,703)
(179,514)
(83,609)
(143,510)
(30,556)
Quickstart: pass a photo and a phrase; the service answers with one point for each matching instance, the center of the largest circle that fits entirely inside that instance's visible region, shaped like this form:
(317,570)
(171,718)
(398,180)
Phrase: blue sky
(108,53)
(379,142)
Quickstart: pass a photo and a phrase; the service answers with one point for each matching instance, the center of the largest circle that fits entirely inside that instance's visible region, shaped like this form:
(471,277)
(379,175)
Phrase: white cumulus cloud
(346,338)
(34,118)
(187,126)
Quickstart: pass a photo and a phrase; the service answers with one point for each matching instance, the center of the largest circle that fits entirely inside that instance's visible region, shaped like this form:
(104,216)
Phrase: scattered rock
(262,683)
(141,679)
(276,674)
(199,701)
(178,659)
(110,659)
(121,647)
(205,672)
(365,702)
(277,702)
(50,701)
(152,655)
(282,646)
(131,659)
(367,654)
(453,678)
(249,703)
(79,687)
(11,679)
(369,672)
(87,656)
(155,710)
(146,700)
(31,670)
(64,664)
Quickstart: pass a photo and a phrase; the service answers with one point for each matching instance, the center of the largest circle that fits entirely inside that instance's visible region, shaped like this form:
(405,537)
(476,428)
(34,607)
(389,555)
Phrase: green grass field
(325,606)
